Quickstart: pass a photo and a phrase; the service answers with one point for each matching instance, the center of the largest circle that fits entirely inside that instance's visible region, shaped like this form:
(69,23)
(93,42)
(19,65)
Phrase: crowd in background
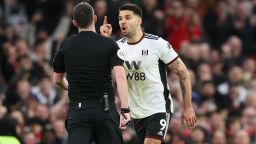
(215,38)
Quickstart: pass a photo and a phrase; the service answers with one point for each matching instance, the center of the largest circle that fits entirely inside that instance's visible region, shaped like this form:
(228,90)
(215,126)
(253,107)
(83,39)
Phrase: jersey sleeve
(166,53)
(117,58)
(58,60)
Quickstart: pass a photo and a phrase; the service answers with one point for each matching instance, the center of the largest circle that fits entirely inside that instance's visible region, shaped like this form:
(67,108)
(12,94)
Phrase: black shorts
(154,126)
(87,122)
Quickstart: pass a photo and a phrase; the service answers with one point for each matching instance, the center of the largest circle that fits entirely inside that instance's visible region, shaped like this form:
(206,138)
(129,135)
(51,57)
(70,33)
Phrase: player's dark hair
(132,7)
(83,14)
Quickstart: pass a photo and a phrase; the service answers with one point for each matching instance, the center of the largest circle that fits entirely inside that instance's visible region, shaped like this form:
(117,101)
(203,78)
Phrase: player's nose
(122,21)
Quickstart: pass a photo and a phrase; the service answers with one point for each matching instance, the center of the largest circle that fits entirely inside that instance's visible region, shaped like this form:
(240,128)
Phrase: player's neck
(90,28)
(135,38)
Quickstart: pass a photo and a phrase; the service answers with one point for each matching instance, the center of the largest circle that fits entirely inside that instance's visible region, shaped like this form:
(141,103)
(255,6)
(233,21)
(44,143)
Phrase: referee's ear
(94,19)
(74,23)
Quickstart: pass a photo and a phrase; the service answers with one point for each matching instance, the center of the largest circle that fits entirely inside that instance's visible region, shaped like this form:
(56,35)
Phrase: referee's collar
(85,32)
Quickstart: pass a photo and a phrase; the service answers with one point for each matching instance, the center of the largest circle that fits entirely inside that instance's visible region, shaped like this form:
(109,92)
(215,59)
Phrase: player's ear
(139,21)
(74,23)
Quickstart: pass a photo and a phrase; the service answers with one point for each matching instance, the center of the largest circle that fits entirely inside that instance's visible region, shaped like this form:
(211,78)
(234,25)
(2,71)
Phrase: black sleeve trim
(173,60)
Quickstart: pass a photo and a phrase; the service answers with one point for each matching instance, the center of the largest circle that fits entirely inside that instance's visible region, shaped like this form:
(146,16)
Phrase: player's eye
(128,17)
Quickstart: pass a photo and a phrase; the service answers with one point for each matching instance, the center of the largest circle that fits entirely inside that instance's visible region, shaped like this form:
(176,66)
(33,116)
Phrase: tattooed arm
(178,67)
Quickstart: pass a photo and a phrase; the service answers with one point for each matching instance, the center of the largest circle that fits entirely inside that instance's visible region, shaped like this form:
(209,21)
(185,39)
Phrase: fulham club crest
(144,52)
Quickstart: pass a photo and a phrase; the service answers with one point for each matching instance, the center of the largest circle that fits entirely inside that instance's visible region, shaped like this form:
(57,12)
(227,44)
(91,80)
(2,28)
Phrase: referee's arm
(122,87)
(59,68)
(60,80)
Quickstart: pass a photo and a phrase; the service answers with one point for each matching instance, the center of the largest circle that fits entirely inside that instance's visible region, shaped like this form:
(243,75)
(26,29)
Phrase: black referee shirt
(87,58)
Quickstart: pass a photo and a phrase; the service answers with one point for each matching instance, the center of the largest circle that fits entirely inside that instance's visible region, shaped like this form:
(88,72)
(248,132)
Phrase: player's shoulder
(156,40)
(151,36)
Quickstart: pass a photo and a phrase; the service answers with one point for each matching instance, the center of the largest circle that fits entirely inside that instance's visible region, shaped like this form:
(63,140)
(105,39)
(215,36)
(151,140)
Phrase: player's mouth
(123,29)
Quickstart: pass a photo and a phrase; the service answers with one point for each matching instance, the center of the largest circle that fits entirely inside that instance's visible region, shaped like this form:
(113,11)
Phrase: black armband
(125,110)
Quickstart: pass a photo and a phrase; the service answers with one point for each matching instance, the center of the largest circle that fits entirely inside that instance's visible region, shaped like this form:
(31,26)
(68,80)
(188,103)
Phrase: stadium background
(215,38)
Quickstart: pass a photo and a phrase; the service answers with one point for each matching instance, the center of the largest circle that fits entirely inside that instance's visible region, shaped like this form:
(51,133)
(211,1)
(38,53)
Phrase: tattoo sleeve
(177,67)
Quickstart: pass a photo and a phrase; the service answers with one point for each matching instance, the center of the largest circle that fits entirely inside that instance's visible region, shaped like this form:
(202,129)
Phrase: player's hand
(189,117)
(106,29)
(125,119)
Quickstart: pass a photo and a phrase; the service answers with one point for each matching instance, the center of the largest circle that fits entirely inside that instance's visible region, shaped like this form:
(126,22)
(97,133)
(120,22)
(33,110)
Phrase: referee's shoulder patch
(151,36)
(122,40)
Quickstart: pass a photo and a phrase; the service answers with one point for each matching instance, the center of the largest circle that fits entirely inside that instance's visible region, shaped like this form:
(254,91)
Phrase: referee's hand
(125,119)
(106,29)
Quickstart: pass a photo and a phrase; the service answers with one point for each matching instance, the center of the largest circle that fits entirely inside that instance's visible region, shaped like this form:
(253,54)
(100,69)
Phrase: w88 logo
(136,76)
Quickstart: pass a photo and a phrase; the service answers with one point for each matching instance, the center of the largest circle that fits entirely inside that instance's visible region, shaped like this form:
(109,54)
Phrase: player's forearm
(186,92)
(179,68)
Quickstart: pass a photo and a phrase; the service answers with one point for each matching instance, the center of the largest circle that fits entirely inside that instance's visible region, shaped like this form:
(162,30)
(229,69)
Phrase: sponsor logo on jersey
(133,64)
(144,52)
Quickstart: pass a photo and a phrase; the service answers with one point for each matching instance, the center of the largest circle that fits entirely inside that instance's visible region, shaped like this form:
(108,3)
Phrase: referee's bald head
(83,14)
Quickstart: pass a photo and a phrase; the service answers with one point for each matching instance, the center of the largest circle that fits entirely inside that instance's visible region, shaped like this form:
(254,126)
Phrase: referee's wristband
(125,110)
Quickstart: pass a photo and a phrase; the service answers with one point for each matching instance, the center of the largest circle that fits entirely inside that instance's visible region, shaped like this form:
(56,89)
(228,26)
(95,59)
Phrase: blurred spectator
(42,113)
(3,111)
(249,69)
(218,24)
(35,125)
(176,28)
(153,17)
(247,119)
(29,138)
(199,135)
(100,7)
(44,92)
(60,132)
(243,27)
(204,72)
(48,136)
(252,84)
(15,15)
(217,122)
(241,137)
(218,137)
(190,52)
(235,79)
(251,99)
(20,121)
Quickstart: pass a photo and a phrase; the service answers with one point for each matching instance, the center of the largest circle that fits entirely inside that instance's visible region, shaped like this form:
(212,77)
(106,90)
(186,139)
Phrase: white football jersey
(145,62)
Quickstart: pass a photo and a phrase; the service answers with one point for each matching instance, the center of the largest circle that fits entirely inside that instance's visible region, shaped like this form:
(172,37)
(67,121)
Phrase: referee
(87,59)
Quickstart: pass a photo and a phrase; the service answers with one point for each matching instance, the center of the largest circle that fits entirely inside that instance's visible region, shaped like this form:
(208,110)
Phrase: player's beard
(128,33)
